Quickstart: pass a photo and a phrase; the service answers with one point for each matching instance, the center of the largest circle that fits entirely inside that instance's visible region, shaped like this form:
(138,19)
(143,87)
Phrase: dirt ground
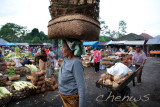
(150,87)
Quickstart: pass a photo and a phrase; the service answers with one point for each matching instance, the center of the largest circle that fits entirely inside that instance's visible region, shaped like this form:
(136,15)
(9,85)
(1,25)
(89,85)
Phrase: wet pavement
(148,93)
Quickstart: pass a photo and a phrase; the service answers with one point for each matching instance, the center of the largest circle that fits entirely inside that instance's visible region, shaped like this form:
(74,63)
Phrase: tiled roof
(146,36)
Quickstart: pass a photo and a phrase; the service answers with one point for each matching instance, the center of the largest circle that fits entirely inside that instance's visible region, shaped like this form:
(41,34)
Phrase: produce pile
(11,64)
(5,96)
(86,60)
(20,71)
(32,67)
(2,65)
(127,60)
(111,80)
(21,89)
(3,80)
(51,84)
(38,79)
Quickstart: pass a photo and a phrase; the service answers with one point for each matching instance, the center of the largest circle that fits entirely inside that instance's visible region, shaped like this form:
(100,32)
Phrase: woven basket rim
(72,18)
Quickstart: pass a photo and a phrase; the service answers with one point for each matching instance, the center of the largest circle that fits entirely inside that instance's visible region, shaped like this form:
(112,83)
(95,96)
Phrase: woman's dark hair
(97,48)
(50,48)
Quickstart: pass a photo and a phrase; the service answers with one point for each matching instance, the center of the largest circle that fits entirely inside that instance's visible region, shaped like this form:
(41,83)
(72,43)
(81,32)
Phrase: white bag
(118,69)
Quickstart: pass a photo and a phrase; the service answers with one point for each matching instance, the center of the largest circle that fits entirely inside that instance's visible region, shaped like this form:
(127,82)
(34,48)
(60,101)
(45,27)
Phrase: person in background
(1,55)
(97,57)
(47,50)
(71,75)
(51,61)
(43,58)
(26,61)
(139,59)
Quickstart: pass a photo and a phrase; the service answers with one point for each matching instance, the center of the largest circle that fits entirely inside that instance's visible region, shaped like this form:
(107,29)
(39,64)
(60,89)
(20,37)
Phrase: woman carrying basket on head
(71,75)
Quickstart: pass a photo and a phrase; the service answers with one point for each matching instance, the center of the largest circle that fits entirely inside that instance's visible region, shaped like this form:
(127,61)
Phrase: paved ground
(150,87)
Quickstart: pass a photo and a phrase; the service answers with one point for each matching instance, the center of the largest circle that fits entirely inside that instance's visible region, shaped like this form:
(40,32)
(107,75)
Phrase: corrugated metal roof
(125,42)
(134,42)
(155,41)
(102,43)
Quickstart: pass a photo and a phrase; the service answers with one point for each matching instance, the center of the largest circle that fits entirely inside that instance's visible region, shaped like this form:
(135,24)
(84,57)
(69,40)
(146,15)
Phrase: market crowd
(71,82)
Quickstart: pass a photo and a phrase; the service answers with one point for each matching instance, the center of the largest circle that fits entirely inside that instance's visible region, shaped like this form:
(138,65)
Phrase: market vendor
(71,75)
(43,58)
(139,59)
(26,61)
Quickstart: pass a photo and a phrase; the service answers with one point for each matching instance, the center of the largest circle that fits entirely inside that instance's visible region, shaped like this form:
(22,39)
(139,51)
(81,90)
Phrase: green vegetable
(22,85)
(4,92)
(17,52)
(11,71)
(32,67)
(9,55)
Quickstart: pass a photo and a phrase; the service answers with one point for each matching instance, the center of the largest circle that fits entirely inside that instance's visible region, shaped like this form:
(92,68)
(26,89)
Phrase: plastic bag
(118,69)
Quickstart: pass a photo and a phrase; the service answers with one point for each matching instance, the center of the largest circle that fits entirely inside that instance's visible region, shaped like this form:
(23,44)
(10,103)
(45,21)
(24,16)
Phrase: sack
(118,69)
(74,26)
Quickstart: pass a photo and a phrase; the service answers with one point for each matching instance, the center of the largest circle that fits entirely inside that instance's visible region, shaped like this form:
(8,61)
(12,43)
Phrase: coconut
(116,78)
(109,77)
(103,76)
(108,82)
(115,85)
(129,73)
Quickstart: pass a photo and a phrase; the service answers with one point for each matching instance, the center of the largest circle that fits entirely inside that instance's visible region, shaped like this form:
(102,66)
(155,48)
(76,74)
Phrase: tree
(36,40)
(104,29)
(122,28)
(11,32)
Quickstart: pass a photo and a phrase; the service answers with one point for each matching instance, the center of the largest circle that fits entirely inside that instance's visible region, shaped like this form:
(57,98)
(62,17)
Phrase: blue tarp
(93,44)
(11,44)
(2,44)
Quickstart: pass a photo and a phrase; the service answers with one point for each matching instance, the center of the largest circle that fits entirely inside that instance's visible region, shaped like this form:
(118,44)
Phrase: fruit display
(38,79)
(111,80)
(51,84)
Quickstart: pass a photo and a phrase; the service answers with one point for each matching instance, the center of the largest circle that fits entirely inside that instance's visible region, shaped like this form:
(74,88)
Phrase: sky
(141,16)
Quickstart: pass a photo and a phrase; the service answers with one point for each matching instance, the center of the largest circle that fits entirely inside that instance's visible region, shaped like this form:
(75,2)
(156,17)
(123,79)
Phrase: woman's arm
(78,72)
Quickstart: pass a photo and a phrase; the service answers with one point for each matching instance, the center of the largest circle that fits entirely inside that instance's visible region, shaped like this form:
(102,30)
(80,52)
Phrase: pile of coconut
(113,81)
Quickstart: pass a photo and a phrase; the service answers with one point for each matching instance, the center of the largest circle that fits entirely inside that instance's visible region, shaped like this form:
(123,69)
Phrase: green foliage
(11,32)
(15,33)
(11,71)
(105,31)
(104,38)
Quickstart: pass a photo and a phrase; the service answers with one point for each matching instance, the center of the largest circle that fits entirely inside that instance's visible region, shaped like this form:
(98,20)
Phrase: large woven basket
(21,94)
(5,100)
(66,7)
(74,26)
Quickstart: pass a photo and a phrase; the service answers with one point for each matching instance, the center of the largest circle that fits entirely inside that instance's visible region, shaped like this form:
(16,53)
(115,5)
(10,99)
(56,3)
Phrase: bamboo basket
(74,26)
(21,94)
(66,7)
(5,100)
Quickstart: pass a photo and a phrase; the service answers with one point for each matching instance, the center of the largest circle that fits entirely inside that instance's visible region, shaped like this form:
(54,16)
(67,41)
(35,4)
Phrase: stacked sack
(38,79)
